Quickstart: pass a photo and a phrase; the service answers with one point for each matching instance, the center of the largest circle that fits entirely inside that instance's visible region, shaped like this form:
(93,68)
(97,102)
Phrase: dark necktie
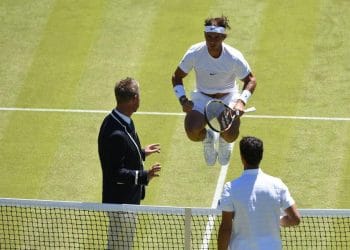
(134,134)
(132,129)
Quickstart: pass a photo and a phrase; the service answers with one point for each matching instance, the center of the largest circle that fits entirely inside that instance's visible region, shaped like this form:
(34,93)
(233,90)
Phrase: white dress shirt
(256,199)
(127,119)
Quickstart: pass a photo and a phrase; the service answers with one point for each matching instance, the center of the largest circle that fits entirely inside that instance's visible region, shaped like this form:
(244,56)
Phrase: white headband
(215,29)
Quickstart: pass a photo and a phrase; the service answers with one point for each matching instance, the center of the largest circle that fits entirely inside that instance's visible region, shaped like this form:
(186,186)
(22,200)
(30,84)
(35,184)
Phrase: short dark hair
(126,89)
(251,149)
(218,21)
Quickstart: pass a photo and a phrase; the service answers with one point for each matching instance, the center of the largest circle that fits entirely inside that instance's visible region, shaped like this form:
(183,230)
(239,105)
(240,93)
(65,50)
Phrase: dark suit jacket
(121,158)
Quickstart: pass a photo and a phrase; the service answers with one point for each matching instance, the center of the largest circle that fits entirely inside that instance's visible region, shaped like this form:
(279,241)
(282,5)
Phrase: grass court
(67,55)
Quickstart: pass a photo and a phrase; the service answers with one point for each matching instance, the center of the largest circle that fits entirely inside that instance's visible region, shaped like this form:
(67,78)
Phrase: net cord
(147,208)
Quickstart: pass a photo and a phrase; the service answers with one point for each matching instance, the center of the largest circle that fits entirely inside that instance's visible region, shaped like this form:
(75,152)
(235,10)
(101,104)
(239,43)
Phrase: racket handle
(251,109)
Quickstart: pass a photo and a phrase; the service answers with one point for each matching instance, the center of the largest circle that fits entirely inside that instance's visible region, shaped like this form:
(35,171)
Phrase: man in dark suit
(121,156)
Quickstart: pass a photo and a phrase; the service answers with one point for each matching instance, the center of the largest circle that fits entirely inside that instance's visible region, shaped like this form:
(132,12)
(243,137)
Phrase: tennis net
(38,224)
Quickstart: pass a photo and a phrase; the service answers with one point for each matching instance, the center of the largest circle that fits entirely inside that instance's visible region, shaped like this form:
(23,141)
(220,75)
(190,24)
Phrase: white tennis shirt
(215,75)
(256,199)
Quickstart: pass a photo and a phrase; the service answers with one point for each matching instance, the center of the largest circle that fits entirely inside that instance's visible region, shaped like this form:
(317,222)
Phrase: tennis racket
(220,116)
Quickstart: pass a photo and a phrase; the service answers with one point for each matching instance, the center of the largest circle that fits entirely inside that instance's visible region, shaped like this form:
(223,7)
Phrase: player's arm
(249,85)
(177,80)
(291,218)
(225,230)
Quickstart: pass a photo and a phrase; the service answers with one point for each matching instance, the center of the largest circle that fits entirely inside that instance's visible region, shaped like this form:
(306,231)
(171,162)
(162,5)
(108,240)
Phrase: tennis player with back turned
(251,205)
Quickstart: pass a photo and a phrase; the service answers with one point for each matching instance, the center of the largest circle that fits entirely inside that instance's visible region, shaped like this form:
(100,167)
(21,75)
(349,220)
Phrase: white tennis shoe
(210,152)
(225,149)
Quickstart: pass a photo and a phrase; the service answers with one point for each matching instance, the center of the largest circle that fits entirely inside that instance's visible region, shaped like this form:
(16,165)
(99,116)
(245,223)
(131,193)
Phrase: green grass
(69,54)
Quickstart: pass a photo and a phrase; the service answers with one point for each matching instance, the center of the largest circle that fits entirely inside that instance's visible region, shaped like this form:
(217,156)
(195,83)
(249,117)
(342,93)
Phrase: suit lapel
(130,128)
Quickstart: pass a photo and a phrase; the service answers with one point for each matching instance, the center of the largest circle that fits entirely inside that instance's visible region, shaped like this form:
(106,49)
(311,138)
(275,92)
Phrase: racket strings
(227,119)
(219,116)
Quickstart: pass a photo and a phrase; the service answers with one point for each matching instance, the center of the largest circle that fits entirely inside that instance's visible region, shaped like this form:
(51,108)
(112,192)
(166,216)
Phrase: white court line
(173,114)
(211,220)
(299,117)
(53,110)
(219,185)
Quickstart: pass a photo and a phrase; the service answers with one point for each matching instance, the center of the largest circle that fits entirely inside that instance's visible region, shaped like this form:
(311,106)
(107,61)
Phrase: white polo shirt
(256,199)
(215,75)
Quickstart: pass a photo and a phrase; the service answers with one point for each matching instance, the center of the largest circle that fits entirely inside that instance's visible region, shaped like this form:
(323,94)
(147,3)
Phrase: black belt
(216,95)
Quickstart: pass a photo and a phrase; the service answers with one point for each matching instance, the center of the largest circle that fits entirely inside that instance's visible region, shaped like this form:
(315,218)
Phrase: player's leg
(228,137)
(195,126)
(232,134)
(196,131)
(226,142)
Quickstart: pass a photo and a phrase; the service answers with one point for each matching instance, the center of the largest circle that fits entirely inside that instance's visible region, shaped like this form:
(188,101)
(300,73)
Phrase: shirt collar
(252,171)
(124,117)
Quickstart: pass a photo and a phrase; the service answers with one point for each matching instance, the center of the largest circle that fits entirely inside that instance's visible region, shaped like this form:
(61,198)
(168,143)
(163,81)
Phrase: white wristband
(179,90)
(245,96)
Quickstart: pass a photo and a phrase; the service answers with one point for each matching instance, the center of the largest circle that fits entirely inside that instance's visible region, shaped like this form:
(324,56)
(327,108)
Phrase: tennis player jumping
(217,66)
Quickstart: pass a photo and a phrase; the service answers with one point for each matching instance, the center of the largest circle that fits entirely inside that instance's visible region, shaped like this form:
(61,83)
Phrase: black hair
(251,149)
(217,21)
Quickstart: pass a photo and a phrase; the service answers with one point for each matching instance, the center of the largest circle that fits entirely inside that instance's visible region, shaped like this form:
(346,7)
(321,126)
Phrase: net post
(187,232)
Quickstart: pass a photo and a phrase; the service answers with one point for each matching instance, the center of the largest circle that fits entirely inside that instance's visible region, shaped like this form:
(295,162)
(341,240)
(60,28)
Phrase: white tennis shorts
(200,100)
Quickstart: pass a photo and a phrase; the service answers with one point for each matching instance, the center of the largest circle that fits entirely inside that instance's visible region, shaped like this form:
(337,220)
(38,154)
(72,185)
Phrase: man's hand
(187,105)
(153,171)
(240,107)
(152,148)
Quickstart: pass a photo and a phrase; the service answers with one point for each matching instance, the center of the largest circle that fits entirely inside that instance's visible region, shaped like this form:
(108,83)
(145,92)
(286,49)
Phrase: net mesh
(51,225)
